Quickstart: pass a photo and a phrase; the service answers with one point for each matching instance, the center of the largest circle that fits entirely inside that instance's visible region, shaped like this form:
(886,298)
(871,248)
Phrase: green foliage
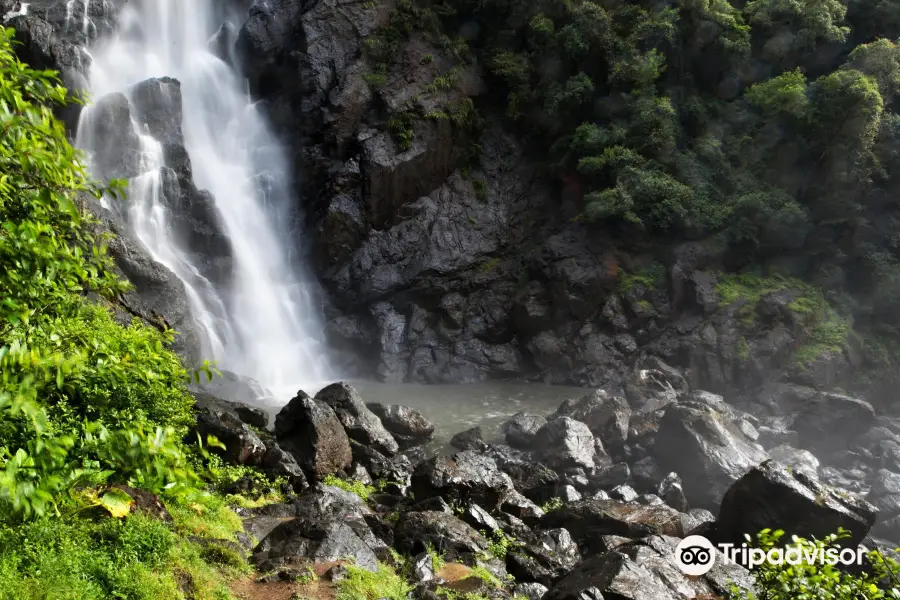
(652,277)
(353,486)
(360,584)
(820,581)
(138,558)
(499,543)
(811,22)
(781,95)
(552,504)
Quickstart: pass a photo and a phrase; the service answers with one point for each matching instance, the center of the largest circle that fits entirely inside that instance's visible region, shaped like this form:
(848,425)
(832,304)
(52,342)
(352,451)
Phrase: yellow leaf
(117,503)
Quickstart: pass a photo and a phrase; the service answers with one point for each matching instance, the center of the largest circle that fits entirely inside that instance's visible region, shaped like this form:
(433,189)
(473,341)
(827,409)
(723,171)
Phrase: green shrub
(818,581)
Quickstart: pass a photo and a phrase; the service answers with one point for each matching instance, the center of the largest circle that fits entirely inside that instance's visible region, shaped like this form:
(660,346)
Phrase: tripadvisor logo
(696,555)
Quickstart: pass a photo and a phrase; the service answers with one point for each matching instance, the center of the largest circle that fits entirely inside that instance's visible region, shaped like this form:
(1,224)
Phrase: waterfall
(263,322)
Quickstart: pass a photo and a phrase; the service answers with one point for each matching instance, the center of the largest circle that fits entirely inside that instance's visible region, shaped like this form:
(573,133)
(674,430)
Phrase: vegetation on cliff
(770,125)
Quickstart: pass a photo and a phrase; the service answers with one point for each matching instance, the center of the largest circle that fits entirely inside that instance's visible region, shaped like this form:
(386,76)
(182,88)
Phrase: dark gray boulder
(590,519)
(521,429)
(299,540)
(312,433)
(408,426)
(565,442)
(360,423)
(416,531)
(829,422)
(465,476)
(242,445)
(470,439)
(771,496)
(607,416)
(706,449)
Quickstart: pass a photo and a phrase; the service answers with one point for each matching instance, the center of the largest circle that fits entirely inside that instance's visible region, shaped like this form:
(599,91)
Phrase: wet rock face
(770,495)
(408,426)
(466,476)
(313,434)
(359,422)
(706,449)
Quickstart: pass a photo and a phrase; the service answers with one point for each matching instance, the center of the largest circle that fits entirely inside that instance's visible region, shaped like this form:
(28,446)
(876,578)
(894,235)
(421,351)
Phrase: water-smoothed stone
(408,426)
(311,431)
(885,496)
(771,496)
(612,575)
(706,449)
(465,476)
(361,424)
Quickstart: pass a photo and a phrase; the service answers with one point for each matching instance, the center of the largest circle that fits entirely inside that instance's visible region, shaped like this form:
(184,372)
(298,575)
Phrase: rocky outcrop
(313,434)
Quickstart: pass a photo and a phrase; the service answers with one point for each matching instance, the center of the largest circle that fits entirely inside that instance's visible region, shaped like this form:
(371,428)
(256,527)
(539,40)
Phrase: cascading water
(264,323)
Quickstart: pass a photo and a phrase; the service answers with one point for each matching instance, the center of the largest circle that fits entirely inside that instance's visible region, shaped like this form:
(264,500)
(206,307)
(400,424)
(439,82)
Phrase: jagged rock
(530,591)
(591,518)
(705,449)
(408,426)
(417,530)
(564,442)
(771,496)
(116,147)
(521,429)
(800,460)
(612,575)
(360,423)
(222,41)
(647,473)
(607,416)
(520,507)
(279,463)
(546,560)
(157,106)
(242,445)
(316,541)
(479,519)
(470,439)
(623,493)
(312,433)
(654,385)
(251,415)
(885,496)
(830,421)
(397,469)
(534,480)
(672,492)
(611,476)
(466,476)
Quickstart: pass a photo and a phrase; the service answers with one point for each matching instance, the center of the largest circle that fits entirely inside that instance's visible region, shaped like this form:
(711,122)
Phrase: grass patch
(652,277)
(138,558)
(829,336)
(499,543)
(356,487)
(361,584)
(211,519)
(552,504)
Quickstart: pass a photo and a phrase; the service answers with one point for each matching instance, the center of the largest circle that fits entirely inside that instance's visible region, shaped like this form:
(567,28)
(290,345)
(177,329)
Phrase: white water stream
(266,325)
